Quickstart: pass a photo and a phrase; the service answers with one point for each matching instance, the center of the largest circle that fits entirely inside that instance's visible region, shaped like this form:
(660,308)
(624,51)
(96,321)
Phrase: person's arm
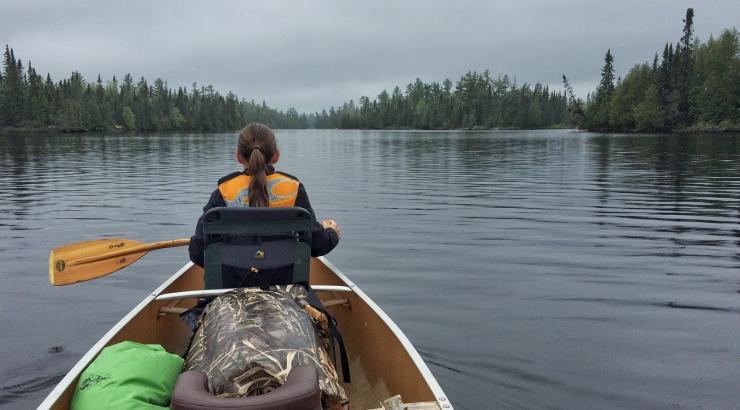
(197,241)
(322,240)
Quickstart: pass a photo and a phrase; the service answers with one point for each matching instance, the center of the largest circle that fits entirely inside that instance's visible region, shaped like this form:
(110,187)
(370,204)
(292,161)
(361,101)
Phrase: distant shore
(696,129)
(28,130)
(701,128)
(693,129)
(52,129)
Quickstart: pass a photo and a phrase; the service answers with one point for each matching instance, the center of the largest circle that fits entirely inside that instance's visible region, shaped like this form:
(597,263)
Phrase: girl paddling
(259,185)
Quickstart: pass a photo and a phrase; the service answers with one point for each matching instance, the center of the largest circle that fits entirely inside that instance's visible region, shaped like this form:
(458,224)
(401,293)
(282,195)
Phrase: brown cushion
(300,392)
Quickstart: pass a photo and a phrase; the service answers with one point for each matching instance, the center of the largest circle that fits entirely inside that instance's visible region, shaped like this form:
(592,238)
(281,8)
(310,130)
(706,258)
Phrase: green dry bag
(128,375)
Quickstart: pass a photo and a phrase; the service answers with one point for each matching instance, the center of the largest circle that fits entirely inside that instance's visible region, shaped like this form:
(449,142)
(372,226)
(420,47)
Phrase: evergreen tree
(12,101)
(606,86)
(36,109)
(598,111)
(684,69)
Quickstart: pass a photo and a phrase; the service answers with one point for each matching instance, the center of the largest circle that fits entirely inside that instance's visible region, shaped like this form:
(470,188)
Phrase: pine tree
(36,105)
(606,87)
(598,111)
(6,89)
(685,64)
(13,87)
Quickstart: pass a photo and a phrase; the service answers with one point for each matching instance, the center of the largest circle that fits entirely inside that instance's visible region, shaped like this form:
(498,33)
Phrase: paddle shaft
(146,247)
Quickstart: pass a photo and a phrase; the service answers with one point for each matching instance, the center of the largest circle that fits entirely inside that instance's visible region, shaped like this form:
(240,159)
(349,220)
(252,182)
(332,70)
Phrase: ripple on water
(531,268)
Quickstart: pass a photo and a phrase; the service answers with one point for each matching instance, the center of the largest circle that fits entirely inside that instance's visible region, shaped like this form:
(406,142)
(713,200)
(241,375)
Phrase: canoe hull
(383,362)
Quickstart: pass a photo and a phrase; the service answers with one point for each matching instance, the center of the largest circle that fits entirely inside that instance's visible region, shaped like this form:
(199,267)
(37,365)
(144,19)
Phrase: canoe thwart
(204,293)
(336,302)
(331,288)
(172,309)
(176,310)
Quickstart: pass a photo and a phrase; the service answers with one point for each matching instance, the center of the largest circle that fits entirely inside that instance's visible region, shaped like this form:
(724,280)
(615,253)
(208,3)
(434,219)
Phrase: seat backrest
(250,247)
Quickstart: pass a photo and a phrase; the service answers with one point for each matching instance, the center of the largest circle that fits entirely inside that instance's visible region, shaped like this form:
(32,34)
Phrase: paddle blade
(67,263)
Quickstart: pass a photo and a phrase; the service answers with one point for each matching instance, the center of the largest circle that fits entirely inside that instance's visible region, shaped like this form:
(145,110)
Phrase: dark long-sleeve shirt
(322,240)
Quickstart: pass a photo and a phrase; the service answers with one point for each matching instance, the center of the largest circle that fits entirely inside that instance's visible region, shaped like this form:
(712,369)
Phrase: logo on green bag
(91,380)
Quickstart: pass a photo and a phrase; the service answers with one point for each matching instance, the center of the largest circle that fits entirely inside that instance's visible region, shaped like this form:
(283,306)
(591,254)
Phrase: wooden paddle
(92,259)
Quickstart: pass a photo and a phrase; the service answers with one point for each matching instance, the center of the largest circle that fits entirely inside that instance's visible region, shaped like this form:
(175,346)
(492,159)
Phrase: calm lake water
(531,269)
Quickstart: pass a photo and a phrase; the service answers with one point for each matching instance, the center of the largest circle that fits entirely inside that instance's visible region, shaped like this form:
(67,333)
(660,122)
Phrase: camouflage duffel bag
(249,339)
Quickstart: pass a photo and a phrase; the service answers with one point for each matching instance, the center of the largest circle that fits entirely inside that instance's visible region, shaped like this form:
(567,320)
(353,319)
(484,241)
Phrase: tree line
(29,101)
(694,85)
(476,100)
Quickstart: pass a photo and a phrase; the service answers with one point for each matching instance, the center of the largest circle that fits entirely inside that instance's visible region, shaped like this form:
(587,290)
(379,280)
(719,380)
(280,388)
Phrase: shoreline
(694,129)
(697,129)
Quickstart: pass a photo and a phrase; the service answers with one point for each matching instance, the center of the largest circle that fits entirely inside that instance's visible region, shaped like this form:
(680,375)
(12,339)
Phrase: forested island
(694,86)
(29,102)
(476,100)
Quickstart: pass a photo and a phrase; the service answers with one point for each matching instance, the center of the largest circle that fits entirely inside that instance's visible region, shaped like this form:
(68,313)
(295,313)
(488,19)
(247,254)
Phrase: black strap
(191,318)
(336,336)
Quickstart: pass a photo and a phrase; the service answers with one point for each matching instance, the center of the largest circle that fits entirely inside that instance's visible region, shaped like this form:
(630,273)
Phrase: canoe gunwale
(217,292)
(439,396)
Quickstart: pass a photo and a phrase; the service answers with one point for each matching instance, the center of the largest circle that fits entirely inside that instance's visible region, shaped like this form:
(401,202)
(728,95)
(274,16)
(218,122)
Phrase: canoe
(383,362)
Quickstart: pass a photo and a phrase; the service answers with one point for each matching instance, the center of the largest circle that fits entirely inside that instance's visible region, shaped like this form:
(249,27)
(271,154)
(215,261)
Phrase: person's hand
(333,225)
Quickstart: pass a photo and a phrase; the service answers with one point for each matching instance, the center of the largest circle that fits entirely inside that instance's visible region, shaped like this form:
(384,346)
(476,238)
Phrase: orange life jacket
(282,190)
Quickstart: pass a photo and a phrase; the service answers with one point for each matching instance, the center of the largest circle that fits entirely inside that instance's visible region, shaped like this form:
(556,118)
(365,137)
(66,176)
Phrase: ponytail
(257,169)
(257,145)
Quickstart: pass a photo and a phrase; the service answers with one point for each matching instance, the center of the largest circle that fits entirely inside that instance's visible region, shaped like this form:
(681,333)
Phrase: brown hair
(257,145)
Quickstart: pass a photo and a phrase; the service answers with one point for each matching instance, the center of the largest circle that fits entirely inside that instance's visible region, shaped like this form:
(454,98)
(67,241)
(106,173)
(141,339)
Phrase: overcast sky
(314,54)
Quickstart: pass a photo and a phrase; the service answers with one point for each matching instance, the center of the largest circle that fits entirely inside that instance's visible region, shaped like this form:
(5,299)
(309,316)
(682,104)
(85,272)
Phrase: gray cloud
(315,54)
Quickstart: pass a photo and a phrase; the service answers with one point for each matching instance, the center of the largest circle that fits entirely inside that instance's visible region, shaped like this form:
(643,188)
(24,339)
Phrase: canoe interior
(380,365)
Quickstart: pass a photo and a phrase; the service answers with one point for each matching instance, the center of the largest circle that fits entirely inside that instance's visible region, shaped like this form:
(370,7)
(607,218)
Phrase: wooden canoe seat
(300,392)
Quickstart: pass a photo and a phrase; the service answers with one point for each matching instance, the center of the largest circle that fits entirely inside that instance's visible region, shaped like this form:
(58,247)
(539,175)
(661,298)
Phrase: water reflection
(690,185)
